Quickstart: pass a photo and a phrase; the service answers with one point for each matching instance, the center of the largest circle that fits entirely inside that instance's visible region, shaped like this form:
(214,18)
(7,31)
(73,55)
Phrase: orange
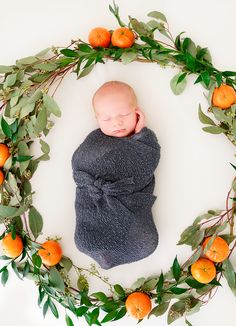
(218,251)
(4,154)
(1,177)
(12,248)
(122,37)
(51,254)
(203,270)
(99,36)
(223,96)
(138,305)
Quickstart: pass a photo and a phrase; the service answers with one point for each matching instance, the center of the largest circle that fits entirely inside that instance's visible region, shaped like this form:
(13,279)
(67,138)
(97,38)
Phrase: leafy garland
(26,107)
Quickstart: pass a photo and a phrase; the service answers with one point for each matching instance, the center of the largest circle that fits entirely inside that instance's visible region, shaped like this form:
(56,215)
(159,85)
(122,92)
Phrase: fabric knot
(98,187)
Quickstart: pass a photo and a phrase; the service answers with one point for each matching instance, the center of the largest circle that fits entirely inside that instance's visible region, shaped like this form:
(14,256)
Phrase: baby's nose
(117,122)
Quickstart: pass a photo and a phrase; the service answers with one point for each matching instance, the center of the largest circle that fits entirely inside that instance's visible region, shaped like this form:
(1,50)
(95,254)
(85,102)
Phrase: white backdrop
(194,173)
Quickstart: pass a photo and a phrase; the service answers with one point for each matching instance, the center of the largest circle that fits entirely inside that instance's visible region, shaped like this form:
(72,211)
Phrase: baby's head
(115,106)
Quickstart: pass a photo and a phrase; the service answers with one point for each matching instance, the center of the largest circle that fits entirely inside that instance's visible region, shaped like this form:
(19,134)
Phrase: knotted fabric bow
(98,187)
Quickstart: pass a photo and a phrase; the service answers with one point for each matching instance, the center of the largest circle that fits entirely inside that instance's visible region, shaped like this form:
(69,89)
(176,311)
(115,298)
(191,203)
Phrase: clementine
(122,37)
(138,305)
(223,96)
(1,177)
(99,36)
(218,251)
(203,270)
(51,253)
(4,154)
(12,247)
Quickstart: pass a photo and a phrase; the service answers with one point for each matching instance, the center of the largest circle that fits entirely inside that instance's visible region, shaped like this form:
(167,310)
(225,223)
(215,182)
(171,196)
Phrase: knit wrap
(114,179)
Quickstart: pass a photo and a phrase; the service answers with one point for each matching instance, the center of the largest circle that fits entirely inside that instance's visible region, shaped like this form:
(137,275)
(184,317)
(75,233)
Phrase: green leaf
(27,60)
(178,87)
(40,77)
(204,118)
(119,290)
(194,257)
(160,283)
(41,120)
(71,303)
(81,311)
(205,216)
(8,211)
(121,313)
(177,290)
(14,267)
(213,129)
(45,307)
(221,116)
(44,147)
(69,322)
(69,53)
(85,48)
(178,41)
(4,276)
(41,295)
(157,15)
(215,282)
(194,283)
(35,222)
(176,269)
(45,66)
(150,285)
(228,272)
(197,238)
(4,257)
(191,63)
(26,109)
(187,322)
(137,284)
(86,71)
(26,269)
(159,310)
(109,316)
(100,296)
(181,77)
(56,279)
(212,230)
(23,158)
(66,262)
(6,128)
(228,237)
(10,81)
(187,234)
(139,27)
(176,311)
(5,69)
(82,283)
(209,244)
(206,77)
(53,308)
(37,261)
(91,317)
(23,155)
(128,57)
(51,105)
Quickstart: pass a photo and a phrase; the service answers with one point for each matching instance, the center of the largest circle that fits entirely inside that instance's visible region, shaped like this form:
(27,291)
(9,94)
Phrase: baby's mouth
(119,130)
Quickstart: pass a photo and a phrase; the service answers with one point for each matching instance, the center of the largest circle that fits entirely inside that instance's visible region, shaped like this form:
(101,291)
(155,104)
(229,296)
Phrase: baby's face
(116,114)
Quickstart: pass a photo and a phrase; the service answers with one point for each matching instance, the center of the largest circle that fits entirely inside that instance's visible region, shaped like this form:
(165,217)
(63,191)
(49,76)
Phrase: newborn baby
(113,170)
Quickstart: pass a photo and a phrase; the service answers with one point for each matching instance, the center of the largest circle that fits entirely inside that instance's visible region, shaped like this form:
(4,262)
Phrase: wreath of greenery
(26,107)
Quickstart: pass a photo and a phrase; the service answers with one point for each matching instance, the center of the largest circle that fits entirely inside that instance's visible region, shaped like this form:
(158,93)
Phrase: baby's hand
(140,121)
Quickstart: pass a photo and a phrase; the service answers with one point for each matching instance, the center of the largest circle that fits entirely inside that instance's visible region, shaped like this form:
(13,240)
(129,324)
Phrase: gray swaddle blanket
(114,195)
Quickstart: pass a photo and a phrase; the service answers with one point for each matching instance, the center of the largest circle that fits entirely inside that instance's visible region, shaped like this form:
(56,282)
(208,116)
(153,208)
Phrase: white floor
(194,173)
